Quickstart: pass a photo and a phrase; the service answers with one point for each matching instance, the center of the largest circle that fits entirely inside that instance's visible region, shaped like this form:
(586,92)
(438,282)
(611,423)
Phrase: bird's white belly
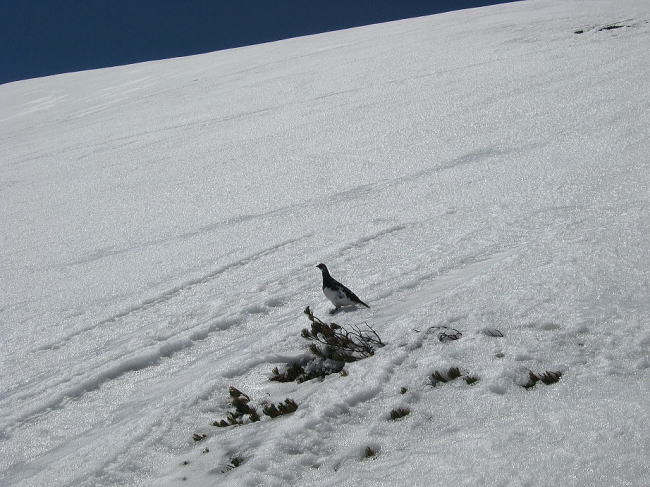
(337,297)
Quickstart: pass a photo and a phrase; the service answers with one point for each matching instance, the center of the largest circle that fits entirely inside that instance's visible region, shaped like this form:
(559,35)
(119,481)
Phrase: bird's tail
(363,304)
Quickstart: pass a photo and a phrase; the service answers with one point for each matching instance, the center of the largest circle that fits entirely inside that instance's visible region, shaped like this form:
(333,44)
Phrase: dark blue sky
(42,37)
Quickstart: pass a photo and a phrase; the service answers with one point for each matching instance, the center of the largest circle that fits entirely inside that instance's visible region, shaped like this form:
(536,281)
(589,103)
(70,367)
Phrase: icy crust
(483,172)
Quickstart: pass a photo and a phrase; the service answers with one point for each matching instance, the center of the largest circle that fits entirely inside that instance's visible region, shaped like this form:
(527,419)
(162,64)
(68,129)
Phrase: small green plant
(196,437)
(331,347)
(286,407)
(307,369)
(292,372)
(546,378)
(442,377)
(399,413)
(234,463)
(369,453)
(403,390)
(242,409)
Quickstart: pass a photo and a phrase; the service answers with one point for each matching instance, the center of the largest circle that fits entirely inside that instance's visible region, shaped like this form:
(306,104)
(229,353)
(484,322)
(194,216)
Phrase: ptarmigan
(337,293)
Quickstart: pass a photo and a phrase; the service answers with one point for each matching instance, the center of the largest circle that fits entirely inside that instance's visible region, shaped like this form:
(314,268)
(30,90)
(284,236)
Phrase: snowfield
(481,169)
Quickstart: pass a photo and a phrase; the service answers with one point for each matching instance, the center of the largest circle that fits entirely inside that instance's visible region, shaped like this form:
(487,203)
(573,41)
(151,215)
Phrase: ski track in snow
(173,292)
(115,367)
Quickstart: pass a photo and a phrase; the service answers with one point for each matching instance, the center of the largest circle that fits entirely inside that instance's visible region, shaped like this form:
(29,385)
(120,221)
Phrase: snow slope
(485,168)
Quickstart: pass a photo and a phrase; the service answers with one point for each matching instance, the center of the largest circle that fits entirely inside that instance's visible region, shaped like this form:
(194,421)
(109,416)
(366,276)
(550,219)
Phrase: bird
(337,293)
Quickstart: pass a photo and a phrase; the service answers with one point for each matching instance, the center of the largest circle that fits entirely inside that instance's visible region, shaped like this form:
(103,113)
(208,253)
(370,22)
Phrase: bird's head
(322,267)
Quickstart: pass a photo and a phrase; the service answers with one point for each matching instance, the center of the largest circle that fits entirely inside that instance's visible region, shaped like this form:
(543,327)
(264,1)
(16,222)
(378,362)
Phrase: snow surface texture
(478,169)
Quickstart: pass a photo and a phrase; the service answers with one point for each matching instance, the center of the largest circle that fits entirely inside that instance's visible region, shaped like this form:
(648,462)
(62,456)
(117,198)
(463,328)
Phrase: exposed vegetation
(442,377)
(399,413)
(331,347)
(369,453)
(234,463)
(286,407)
(241,408)
(335,342)
(546,378)
(244,412)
